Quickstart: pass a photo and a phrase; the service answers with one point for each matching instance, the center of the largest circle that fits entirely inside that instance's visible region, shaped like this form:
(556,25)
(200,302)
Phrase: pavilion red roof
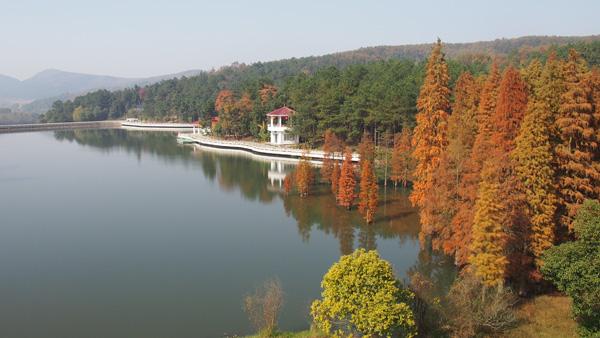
(283,111)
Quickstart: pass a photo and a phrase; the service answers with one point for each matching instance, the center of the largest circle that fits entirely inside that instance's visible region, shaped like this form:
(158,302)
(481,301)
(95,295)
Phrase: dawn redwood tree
(304,177)
(347,183)
(402,158)
(331,145)
(462,222)
(578,144)
(430,133)
(442,198)
(335,178)
(533,156)
(498,208)
(367,198)
(366,150)
(489,239)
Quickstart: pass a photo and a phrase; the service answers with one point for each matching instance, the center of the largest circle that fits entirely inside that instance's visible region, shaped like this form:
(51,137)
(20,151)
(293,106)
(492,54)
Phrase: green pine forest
(370,89)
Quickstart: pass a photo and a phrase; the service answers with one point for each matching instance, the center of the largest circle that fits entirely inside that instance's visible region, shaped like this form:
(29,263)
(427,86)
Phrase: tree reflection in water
(259,179)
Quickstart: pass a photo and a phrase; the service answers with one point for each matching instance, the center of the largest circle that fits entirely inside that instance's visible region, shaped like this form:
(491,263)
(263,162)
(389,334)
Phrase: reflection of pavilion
(277,173)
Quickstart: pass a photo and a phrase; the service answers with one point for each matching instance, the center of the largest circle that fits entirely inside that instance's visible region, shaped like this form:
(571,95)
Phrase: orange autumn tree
(534,158)
(244,107)
(331,145)
(578,144)
(367,204)
(595,84)
(225,105)
(442,198)
(366,149)
(402,163)
(267,93)
(347,183)
(429,135)
(497,210)
(469,183)
(335,178)
(304,177)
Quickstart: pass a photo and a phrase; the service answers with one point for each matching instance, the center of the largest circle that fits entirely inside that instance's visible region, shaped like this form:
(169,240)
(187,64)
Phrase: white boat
(132,123)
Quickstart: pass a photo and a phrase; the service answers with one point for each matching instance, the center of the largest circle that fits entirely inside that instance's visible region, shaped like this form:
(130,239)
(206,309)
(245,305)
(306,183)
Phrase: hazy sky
(152,37)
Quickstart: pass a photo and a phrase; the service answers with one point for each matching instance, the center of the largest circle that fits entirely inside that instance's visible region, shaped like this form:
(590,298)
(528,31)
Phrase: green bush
(574,268)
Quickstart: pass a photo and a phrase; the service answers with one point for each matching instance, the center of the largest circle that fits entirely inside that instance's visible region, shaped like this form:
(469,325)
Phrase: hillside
(305,82)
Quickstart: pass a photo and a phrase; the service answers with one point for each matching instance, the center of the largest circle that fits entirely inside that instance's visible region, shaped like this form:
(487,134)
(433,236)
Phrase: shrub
(263,307)
(574,268)
(361,296)
(473,308)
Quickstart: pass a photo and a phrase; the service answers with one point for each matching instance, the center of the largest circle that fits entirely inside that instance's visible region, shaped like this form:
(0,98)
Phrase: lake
(114,233)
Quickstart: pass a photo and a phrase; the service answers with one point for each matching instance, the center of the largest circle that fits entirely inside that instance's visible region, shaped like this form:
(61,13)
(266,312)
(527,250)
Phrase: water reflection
(261,179)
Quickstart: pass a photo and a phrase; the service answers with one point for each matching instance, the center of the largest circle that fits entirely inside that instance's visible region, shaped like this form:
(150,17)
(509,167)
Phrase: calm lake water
(110,233)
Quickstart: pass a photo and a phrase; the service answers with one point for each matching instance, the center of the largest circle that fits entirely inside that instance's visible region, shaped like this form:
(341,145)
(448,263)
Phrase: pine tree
(335,178)
(347,183)
(304,177)
(402,164)
(430,139)
(368,192)
(578,145)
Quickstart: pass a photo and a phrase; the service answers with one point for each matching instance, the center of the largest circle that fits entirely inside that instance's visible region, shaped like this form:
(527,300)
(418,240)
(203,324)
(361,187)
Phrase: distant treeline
(347,92)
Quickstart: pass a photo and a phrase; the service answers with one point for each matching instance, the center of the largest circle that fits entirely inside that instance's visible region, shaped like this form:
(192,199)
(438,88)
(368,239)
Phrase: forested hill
(374,84)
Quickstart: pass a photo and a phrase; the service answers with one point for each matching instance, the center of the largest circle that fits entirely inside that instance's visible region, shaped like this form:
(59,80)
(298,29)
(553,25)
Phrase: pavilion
(279,126)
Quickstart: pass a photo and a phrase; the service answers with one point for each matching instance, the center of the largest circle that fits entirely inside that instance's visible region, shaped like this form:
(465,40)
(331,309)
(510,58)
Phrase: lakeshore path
(257,147)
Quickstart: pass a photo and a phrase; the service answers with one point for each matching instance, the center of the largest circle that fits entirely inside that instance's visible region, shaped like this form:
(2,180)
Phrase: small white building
(279,125)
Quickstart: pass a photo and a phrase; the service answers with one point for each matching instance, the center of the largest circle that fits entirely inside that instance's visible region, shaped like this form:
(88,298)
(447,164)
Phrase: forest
(372,89)
(505,173)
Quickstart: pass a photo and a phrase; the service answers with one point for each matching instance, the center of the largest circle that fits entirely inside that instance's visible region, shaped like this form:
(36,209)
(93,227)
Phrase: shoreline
(261,149)
(17,128)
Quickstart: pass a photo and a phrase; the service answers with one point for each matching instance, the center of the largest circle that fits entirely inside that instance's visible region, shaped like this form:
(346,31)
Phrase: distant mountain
(35,95)
(54,83)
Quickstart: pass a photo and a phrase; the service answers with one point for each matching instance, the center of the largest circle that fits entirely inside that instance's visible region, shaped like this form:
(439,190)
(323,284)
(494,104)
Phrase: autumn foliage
(430,133)
(577,150)
(501,171)
(347,183)
(367,204)
(304,177)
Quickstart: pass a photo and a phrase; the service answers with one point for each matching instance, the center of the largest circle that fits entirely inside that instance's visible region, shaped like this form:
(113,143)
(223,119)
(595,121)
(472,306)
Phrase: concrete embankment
(14,128)
(263,149)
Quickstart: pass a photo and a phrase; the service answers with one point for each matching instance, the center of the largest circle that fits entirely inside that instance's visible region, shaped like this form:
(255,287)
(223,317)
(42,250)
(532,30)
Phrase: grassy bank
(545,317)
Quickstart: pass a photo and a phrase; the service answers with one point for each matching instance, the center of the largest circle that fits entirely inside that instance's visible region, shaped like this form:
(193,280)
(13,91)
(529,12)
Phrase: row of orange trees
(504,161)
